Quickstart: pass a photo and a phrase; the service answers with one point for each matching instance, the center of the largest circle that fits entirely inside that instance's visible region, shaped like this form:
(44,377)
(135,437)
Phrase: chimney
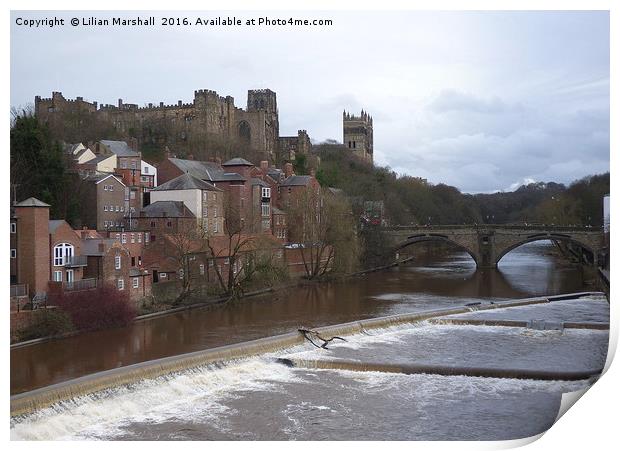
(167,153)
(120,103)
(288,170)
(133,144)
(190,156)
(264,165)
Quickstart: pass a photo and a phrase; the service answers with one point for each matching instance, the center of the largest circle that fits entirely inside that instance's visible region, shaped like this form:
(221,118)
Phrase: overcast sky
(484,101)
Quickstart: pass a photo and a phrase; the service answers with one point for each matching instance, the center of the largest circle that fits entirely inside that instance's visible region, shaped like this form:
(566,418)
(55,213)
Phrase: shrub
(102,308)
(46,322)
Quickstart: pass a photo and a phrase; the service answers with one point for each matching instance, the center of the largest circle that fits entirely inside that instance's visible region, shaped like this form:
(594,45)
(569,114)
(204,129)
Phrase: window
(202,269)
(146,169)
(62,253)
(118,236)
(169,223)
(163,275)
(105,208)
(57,276)
(132,195)
(120,283)
(265,209)
(133,261)
(13,227)
(13,253)
(135,282)
(215,228)
(124,164)
(105,223)
(215,212)
(133,164)
(117,262)
(122,208)
(124,238)
(133,238)
(111,187)
(105,187)
(69,275)
(181,273)
(146,237)
(117,208)
(266,192)
(139,237)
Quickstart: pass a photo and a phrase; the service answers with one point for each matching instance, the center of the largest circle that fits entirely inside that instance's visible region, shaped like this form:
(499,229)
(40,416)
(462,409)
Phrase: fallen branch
(308,333)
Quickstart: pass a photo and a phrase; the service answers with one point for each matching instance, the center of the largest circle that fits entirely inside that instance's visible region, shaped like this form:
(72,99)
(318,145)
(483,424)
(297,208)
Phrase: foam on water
(151,401)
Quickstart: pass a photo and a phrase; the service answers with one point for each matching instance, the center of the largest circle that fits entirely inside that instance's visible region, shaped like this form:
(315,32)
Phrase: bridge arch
(543,237)
(415,239)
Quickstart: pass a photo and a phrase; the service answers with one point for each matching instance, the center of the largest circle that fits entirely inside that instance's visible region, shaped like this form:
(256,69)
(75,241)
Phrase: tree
(237,241)
(37,164)
(324,229)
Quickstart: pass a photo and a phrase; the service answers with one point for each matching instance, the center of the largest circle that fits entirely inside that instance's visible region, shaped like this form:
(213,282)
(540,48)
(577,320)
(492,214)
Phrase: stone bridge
(487,244)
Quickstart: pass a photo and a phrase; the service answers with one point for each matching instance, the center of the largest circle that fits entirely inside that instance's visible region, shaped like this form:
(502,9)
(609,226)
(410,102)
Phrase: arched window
(63,253)
(244,132)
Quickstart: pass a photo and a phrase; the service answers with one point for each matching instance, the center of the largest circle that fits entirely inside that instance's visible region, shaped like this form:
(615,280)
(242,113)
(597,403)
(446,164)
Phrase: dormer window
(266,192)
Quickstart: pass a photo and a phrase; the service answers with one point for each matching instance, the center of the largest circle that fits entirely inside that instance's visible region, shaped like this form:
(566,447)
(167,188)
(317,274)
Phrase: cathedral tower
(357,134)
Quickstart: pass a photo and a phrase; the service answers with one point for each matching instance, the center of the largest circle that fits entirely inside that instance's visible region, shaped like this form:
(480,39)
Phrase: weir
(29,402)
(441,370)
(546,325)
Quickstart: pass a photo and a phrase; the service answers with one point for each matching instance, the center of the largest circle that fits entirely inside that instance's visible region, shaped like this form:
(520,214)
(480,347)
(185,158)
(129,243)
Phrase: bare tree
(324,229)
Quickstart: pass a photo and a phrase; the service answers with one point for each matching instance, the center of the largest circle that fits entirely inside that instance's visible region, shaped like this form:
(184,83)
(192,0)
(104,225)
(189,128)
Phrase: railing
(84,284)
(76,260)
(19,290)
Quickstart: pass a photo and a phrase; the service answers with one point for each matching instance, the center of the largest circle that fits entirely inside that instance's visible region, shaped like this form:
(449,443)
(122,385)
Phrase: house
(205,201)
(105,202)
(148,175)
(67,260)
(112,262)
(278,224)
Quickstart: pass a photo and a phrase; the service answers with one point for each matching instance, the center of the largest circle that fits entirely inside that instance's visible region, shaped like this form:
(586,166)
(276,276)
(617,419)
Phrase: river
(261,399)
(436,281)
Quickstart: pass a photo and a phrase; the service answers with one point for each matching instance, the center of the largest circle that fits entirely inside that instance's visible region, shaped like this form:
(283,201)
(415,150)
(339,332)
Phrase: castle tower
(357,134)
(264,101)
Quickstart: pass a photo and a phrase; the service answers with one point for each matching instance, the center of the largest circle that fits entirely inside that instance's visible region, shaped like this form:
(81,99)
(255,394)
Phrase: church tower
(357,134)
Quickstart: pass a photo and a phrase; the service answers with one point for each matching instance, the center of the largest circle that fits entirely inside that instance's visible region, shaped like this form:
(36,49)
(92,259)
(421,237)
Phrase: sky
(484,101)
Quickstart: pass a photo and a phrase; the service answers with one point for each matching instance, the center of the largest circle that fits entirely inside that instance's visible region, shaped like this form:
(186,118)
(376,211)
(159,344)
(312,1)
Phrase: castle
(211,123)
(357,134)
(186,127)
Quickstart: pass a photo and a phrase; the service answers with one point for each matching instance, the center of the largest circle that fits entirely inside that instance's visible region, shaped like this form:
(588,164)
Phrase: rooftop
(237,162)
(31,202)
(120,148)
(297,180)
(186,181)
(167,208)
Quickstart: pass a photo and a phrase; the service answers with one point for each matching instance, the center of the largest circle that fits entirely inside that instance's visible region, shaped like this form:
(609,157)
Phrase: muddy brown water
(432,282)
